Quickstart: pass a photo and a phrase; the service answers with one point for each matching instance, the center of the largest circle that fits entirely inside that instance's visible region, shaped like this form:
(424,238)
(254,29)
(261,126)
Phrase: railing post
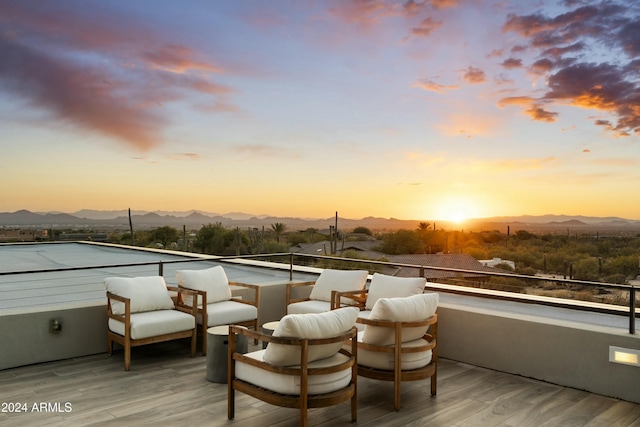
(160,269)
(422,271)
(632,310)
(291,266)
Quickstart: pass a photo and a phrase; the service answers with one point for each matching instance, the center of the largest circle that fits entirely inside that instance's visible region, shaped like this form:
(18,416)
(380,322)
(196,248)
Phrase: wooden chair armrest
(290,286)
(124,318)
(256,293)
(117,297)
(359,298)
(250,334)
(198,296)
(180,303)
(433,320)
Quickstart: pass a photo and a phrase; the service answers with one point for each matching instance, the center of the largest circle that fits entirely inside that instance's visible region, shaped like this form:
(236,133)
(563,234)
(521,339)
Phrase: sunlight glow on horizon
(368,111)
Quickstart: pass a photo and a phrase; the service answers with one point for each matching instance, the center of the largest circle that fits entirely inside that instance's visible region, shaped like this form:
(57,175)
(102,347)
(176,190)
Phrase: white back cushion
(212,280)
(146,293)
(337,280)
(312,326)
(384,286)
(407,309)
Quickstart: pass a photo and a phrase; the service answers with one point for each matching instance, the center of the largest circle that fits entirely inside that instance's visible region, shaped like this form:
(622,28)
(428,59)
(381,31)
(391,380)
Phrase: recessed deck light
(625,356)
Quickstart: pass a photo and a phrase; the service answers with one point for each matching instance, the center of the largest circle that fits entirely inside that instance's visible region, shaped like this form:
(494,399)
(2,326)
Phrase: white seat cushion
(212,280)
(311,306)
(290,384)
(385,361)
(228,313)
(338,280)
(146,293)
(384,286)
(312,326)
(407,309)
(154,323)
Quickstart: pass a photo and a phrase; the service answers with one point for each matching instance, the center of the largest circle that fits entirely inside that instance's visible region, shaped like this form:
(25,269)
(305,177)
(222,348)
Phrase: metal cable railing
(454,277)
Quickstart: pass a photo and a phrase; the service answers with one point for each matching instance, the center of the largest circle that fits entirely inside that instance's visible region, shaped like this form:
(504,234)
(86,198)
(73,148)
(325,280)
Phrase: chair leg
(231,401)
(354,408)
(127,355)
(303,416)
(194,339)
(204,339)
(397,382)
(434,380)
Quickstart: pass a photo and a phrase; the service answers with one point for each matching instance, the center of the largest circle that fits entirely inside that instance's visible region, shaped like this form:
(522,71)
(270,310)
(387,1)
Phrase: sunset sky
(433,109)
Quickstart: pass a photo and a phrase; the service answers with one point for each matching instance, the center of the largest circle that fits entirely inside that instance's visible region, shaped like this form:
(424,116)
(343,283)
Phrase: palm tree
(278,228)
(423,226)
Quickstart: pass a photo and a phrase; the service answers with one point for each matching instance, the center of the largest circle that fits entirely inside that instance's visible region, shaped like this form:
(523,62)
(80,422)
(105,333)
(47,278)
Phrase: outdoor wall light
(55,326)
(625,356)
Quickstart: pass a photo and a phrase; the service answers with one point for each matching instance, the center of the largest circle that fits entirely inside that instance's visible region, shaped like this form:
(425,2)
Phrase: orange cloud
(177,59)
(515,100)
(430,85)
(521,164)
(532,107)
(542,115)
(474,75)
(426,27)
(443,4)
(469,124)
(363,12)
(510,63)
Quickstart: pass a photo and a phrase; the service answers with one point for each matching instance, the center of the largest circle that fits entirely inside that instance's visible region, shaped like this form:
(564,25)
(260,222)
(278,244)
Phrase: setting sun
(457,216)
(457,209)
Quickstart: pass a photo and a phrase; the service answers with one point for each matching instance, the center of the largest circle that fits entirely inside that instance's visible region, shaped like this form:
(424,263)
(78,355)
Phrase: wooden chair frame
(289,289)
(397,375)
(359,298)
(335,296)
(127,342)
(202,310)
(303,401)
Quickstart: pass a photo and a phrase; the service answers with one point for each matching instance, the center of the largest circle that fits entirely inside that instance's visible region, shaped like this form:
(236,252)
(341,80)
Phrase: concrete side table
(268,329)
(218,352)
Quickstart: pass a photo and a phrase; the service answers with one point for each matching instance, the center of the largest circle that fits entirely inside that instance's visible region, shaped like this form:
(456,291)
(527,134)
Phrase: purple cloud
(110,76)
(564,44)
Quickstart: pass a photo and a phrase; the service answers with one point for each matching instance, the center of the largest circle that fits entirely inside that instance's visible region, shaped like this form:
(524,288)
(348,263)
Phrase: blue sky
(436,109)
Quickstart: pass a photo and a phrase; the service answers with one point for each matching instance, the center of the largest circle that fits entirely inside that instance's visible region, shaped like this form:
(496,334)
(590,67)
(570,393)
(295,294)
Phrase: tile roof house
(366,249)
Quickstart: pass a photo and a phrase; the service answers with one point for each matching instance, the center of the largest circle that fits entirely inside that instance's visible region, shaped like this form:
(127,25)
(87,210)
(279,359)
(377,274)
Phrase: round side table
(268,329)
(218,352)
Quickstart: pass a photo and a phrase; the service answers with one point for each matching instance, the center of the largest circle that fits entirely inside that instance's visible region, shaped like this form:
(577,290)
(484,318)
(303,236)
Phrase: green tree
(401,242)
(165,235)
(362,230)
(210,239)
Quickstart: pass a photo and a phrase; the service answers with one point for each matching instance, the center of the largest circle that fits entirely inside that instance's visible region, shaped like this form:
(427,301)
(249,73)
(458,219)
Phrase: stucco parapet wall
(559,350)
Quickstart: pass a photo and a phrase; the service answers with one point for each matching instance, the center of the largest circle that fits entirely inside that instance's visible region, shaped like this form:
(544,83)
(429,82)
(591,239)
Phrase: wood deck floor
(167,388)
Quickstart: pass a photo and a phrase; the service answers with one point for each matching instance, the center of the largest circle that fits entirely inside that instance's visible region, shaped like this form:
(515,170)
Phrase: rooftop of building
(503,362)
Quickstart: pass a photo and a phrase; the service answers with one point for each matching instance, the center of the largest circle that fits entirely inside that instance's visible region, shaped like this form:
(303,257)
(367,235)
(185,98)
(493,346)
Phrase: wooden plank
(167,387)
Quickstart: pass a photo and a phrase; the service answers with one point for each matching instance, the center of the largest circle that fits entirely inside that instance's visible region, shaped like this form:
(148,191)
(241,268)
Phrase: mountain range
(196,219)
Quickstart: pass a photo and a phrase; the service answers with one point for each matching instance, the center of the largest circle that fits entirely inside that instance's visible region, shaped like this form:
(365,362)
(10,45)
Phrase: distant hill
(195,219)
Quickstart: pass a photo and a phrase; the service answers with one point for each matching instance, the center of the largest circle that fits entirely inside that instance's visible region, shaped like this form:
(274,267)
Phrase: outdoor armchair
(214,302)
(321,298)
(309,362)
(399,342)
(140,311)
(381,286)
